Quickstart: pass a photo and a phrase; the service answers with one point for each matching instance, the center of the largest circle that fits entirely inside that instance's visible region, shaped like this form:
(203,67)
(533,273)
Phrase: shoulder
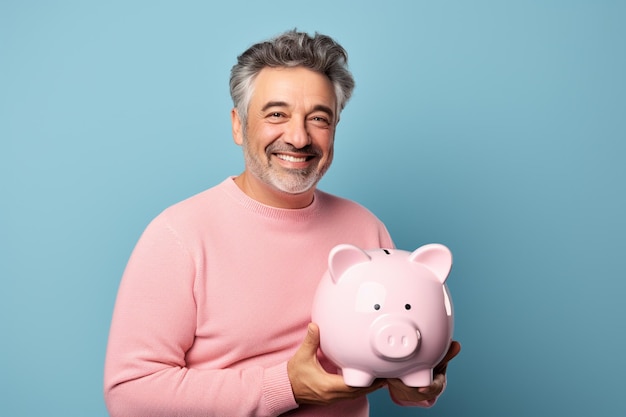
(192,212)
(333,203)
(201,203)
(354,222)
(344,210)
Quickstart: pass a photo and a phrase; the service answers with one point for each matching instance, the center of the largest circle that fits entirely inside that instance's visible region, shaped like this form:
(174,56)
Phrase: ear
(235,121)
(435,257)
(344,256)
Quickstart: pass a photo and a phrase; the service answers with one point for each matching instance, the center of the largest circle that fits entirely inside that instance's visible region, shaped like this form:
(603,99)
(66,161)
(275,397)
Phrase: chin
(295,188)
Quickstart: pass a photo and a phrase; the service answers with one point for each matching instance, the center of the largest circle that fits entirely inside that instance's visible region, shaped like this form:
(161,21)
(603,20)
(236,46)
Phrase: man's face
(288,143)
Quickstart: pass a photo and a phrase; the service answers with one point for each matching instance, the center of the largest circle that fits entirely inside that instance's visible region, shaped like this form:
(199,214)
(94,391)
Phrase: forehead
(293,86)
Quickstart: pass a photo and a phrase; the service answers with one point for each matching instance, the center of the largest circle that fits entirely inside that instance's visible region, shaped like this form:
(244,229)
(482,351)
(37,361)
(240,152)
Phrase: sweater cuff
(277,390)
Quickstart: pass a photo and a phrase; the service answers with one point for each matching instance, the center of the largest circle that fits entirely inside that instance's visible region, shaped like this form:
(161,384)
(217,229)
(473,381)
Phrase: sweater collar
(229,186)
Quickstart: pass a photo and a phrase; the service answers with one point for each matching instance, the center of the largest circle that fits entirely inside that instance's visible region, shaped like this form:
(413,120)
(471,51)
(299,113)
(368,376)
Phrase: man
(212,315)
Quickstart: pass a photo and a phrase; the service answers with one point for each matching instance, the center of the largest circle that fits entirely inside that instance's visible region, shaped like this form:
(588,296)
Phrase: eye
(376,306)
(320,121)
(276,117)
(407,306)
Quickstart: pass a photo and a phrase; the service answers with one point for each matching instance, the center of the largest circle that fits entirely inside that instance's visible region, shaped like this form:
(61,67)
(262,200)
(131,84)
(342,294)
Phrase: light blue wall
(495,127)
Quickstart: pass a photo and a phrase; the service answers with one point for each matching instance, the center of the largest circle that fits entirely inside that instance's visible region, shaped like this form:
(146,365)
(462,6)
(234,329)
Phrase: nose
(297,134)
(395,340)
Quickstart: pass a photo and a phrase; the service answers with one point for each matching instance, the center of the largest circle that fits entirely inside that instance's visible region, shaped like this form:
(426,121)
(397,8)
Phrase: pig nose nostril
(404,341)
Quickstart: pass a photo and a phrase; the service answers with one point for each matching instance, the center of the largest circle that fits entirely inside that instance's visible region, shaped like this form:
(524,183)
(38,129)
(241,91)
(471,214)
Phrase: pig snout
(393,338)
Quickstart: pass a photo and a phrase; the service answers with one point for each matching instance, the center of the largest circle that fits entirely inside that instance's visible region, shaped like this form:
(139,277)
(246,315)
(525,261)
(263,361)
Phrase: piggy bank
(385,313)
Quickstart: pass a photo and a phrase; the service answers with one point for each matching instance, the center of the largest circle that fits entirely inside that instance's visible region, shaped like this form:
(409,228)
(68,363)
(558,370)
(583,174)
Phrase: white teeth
(290,158)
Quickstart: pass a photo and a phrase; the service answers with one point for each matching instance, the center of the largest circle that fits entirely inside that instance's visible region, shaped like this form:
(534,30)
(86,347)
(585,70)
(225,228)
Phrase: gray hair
(319,53)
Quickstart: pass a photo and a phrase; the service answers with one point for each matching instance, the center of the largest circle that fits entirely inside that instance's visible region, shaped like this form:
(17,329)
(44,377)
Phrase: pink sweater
(215,300)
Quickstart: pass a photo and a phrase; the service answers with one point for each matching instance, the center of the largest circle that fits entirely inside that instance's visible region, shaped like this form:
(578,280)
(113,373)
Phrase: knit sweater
(216,298)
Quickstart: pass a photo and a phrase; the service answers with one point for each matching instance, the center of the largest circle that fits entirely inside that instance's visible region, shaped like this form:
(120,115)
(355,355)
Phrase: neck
(270,196)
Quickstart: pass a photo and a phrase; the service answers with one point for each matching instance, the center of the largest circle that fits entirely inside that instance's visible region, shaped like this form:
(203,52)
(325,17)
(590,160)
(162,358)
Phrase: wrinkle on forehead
(294,88)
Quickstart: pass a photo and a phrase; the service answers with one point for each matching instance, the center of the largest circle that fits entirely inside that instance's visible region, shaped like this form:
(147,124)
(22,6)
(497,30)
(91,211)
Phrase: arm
(154,325)
(424,396)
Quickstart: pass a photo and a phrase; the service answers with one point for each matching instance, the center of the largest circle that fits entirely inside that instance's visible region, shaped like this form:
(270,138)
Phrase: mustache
(308,150)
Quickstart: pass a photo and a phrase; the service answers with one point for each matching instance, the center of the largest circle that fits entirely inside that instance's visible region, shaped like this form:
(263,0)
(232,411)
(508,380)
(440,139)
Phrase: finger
(453,350)
(435,388)
(395,382)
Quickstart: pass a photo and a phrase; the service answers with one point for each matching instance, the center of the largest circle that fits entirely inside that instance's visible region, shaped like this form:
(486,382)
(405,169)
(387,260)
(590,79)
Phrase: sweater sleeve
(153,326)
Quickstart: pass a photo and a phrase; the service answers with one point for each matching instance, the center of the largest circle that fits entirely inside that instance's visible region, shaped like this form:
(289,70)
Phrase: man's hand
(311,384)
(403,394)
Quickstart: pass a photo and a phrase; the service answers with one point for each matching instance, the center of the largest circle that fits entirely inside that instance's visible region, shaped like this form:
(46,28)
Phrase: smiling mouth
(291,158)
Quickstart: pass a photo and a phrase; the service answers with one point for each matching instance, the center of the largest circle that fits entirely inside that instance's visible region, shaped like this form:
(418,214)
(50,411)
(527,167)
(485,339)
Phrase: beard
(291,181)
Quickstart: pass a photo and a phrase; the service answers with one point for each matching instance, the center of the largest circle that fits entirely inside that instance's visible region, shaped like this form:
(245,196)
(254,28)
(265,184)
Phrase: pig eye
(407,306)
(376,306)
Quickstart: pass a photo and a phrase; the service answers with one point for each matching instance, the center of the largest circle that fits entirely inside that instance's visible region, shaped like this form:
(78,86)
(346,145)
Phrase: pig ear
(344,256)
(435,257)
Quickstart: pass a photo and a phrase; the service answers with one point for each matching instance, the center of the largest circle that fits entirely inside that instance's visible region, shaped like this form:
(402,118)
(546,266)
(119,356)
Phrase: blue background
(495,127)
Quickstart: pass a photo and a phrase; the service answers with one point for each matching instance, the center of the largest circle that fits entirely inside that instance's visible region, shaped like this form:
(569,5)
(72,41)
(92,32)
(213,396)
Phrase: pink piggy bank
(385,313)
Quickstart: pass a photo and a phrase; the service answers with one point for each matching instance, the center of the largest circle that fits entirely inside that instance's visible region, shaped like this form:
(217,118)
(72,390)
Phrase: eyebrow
(317,107)
(325,109)
(271,104)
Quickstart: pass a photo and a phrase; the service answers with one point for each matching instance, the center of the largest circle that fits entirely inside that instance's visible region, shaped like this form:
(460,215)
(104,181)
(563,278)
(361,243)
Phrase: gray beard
(294,181)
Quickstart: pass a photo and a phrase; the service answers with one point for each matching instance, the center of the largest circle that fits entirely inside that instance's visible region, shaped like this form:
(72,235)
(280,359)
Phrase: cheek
(325,141)
(264,135)
(255,142)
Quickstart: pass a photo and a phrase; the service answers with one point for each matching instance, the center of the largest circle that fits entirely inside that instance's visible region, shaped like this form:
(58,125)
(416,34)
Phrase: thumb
(312,339)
